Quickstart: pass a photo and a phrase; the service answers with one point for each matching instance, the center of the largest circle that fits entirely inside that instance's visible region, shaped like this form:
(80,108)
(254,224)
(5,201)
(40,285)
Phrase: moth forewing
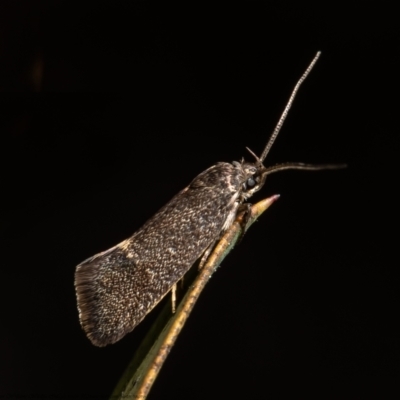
(117,288)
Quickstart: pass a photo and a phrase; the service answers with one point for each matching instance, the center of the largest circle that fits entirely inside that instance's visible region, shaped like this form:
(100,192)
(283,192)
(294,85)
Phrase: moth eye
(250,182)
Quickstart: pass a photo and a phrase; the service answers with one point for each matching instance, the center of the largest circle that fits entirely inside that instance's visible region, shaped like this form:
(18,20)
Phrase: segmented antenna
(306,167)
(287,108)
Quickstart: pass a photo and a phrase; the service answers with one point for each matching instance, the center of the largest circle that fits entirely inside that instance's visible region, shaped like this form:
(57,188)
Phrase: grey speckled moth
(118,287)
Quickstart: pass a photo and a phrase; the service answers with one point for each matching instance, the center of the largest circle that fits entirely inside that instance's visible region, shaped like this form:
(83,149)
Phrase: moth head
(253,178)
(256,173)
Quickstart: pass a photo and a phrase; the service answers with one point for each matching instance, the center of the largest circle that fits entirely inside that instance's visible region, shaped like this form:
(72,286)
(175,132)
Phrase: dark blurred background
(108,109)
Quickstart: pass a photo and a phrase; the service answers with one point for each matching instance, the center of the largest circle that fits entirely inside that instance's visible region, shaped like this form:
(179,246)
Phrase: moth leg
(246,208)
(206,254)
(173,298)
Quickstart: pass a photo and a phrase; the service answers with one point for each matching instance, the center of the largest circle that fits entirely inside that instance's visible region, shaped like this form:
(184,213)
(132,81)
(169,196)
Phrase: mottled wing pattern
(117,288)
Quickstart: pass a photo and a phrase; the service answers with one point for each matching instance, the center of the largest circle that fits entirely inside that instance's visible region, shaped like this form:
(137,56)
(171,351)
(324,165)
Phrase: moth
(117,288)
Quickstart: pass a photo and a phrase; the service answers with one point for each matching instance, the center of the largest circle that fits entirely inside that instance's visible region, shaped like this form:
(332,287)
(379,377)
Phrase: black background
(308,303)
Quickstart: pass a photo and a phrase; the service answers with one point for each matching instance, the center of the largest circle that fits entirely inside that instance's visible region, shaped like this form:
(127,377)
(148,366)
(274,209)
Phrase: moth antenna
(254,155)
(310,167)
(287,108)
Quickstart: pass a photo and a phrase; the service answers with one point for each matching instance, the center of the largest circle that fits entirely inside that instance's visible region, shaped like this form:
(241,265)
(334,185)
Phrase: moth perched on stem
(118,287)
